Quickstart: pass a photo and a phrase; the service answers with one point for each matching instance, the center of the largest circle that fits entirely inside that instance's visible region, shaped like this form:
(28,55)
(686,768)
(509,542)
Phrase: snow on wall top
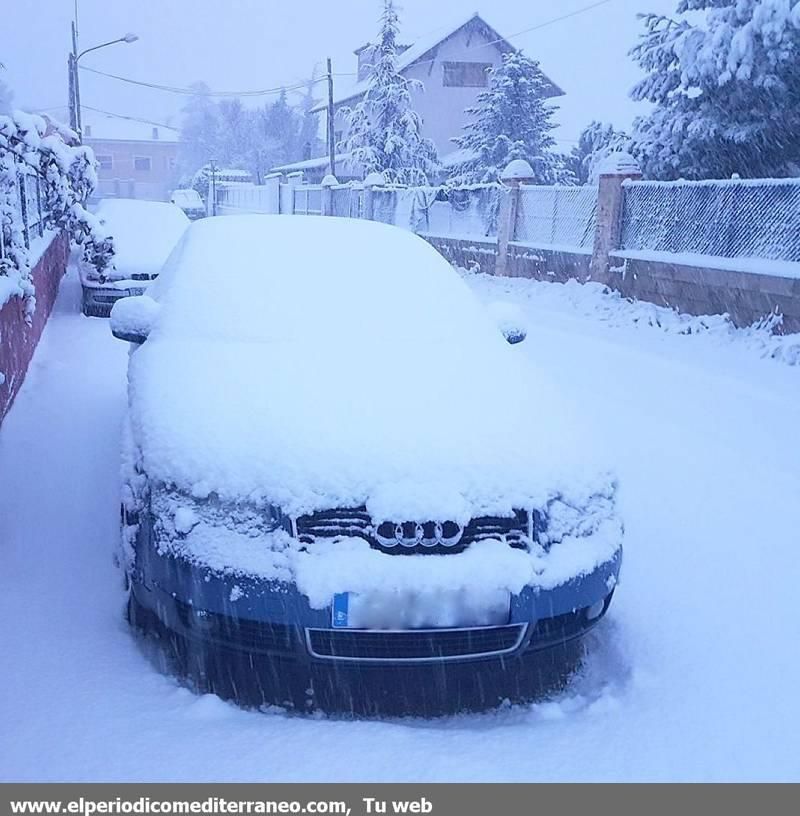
(334,362)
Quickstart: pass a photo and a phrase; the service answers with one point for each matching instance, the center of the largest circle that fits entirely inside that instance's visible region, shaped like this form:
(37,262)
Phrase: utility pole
(331,132)
(74,122)
(213,166)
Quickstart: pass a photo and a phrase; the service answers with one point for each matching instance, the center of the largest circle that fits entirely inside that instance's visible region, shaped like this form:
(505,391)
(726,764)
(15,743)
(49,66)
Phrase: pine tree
(596,142)
(510,120)
(726,86)
(383,129)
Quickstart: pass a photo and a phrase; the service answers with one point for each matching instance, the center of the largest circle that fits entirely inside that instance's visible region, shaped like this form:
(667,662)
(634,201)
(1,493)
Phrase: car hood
(431,431)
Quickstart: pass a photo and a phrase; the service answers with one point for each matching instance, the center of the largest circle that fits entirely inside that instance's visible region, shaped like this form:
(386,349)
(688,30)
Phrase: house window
(466,74)
(141,163)
(105,162)
(171,162)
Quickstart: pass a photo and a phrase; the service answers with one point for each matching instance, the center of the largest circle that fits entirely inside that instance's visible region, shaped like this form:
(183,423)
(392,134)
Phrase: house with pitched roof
(135,159)
(451,65)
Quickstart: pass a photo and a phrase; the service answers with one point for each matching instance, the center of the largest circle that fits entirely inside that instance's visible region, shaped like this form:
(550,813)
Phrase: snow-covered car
(144,233)
(344,489)
(190,202)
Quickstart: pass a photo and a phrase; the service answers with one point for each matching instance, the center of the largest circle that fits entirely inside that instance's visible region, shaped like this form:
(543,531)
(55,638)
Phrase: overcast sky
(248,44)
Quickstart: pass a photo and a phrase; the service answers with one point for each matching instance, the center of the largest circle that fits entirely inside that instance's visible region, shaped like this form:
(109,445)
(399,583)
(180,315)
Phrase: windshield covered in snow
(127,221)
(275,278)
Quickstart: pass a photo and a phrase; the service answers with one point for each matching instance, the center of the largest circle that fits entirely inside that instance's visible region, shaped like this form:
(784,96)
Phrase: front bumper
(99,300)
(261,644)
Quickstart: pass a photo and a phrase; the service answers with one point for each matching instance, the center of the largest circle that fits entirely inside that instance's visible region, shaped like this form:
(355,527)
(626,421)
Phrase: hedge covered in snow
(66,172)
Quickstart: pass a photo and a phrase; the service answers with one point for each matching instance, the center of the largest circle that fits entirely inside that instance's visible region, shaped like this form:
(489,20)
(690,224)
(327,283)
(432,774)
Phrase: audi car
(144,233)
(348,486)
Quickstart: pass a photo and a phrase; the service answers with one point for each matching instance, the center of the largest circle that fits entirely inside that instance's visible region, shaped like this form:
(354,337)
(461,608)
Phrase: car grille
(357,522)
(414,645)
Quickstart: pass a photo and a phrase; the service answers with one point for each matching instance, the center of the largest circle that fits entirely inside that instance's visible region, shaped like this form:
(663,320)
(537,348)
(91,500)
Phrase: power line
(306,83)
(528,30)
(190,92)
(129,118)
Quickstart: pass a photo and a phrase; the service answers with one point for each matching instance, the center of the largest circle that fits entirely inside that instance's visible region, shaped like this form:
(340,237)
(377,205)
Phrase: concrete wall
(18,338)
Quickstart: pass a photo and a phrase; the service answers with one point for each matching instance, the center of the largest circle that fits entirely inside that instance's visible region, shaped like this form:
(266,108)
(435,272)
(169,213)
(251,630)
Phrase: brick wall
(18,338)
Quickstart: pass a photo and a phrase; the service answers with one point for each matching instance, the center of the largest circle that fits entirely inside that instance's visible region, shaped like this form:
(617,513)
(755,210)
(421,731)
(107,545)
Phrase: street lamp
(75,88)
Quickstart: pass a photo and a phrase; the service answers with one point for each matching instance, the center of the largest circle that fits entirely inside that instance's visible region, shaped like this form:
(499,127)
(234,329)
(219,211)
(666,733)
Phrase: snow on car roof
(186,197)
(305,277)
(144,232)
(322,362)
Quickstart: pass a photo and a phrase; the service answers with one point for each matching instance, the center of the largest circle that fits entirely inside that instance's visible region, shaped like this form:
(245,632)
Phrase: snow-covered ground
(693,675)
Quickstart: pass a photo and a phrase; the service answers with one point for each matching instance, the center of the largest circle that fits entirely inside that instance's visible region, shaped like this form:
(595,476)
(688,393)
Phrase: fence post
(516,173)
(371,182)
(328,183)
(22,189)
(293,180)
(617,168)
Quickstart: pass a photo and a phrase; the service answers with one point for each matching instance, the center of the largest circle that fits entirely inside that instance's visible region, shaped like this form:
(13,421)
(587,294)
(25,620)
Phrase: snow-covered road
(693,676)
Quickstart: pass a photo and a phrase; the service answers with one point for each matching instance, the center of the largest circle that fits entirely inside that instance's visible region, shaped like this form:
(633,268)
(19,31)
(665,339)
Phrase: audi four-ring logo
(419,534)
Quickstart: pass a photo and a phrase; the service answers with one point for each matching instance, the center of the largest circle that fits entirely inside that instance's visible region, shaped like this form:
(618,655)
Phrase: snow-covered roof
(345,92)
(306,164)
(343,165)
(251,384)
(118,128)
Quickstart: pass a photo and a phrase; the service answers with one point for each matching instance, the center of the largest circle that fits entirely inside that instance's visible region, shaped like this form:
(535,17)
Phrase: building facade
(135,159)
(452,68)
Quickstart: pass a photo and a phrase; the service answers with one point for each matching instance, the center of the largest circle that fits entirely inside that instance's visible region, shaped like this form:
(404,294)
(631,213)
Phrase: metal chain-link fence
(557,216)
(730,219)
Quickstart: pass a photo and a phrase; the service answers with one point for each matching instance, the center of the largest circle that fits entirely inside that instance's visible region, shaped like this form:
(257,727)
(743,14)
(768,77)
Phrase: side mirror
(510,319)
(133,317)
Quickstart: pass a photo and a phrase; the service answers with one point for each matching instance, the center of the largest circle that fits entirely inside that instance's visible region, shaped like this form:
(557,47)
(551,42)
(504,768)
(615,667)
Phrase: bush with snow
(66,171)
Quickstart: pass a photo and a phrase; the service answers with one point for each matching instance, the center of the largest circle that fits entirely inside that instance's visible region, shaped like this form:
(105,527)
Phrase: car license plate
(449,609)
(137,291)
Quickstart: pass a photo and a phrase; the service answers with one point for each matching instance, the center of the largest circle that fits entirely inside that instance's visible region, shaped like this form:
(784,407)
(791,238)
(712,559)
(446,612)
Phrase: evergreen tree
(597,140)
(725,78)
(510,120)
(384,131)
